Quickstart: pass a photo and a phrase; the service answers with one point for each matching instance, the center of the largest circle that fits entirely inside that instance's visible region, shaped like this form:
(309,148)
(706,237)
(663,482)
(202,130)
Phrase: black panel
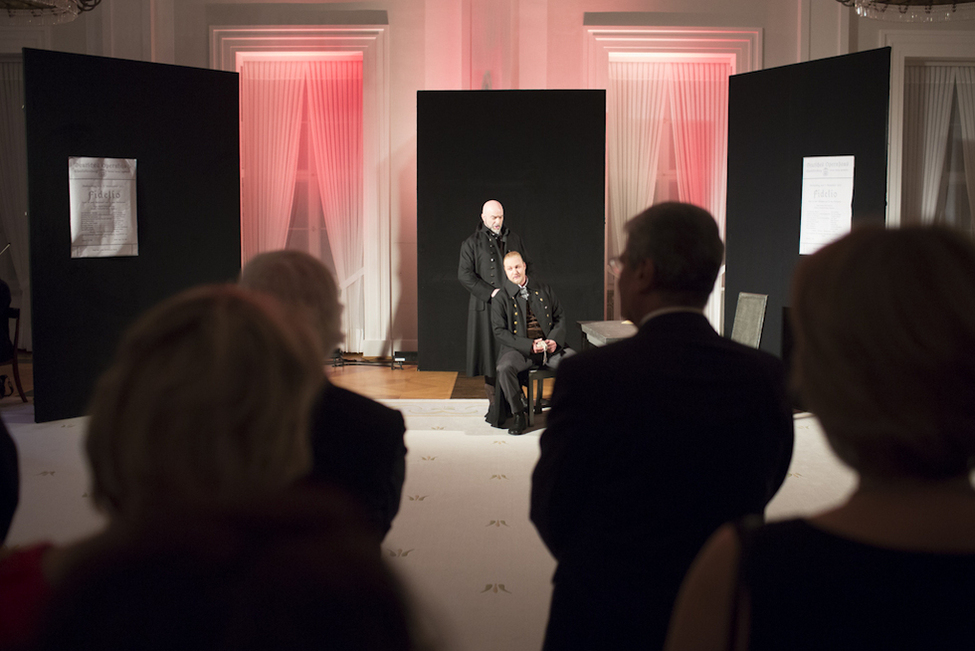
(828,107)
(542,155)
(181,126)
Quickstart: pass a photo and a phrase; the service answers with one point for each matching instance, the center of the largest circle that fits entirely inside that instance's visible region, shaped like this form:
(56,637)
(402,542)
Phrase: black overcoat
(481,271)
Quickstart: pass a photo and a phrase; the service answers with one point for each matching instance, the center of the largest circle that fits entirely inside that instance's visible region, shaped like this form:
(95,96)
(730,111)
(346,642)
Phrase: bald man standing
(481,272)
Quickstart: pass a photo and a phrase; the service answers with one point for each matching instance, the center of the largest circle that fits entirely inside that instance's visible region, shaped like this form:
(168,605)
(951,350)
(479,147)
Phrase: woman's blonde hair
(884,322)
(301,283)
(207,399)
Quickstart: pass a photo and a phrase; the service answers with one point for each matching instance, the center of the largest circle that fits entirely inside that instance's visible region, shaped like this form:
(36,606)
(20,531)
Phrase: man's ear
(645,274)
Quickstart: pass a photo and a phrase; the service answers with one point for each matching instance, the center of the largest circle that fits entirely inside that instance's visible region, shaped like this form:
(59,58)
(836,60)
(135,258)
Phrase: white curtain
(699,107)
(965,85)
(271,96)
(928,92)
(13,185)
(698,99)
(335,120)
(635,114)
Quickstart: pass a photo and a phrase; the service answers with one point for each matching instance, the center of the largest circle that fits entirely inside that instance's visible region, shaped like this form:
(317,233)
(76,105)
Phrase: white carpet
(462,541)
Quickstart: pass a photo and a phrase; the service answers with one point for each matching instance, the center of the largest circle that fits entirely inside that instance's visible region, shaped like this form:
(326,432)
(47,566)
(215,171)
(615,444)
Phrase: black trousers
(512,363)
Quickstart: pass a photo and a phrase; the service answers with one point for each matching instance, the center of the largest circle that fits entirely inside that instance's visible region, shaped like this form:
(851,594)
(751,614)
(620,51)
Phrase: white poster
(103,219)
(827,201)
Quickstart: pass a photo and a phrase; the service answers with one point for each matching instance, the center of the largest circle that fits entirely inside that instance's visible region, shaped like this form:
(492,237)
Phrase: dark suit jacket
(510,323)
(358,446)
(652,443)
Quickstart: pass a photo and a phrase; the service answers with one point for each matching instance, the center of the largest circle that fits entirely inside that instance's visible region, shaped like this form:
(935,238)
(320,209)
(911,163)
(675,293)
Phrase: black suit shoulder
(358,444)
(677,411)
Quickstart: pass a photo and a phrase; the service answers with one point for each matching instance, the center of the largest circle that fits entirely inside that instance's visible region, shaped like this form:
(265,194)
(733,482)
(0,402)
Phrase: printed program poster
(103,219)
(827,201)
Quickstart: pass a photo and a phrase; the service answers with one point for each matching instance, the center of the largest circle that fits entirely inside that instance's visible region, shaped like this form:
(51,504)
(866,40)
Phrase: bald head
(492,214)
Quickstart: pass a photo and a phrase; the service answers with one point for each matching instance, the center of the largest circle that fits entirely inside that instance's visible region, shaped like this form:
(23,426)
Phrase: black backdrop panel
(828,107)
(181,126)
(542,155)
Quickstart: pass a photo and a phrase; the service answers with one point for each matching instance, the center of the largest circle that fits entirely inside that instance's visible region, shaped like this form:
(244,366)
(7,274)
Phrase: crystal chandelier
(42,12)
(913,11)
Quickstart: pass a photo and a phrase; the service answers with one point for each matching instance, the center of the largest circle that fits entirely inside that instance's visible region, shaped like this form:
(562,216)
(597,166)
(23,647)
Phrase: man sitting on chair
(530,331)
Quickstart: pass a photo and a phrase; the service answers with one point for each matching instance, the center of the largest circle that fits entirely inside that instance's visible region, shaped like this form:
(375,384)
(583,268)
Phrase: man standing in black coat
(653,442)
(529,327)
(481,273)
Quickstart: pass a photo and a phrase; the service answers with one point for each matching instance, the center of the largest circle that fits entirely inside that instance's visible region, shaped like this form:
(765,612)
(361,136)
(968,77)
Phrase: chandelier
(43,12)
(913,11)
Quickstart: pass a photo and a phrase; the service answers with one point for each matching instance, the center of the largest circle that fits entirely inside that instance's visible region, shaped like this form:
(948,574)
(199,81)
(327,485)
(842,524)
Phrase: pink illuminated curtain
(697,93)
(335,121)
(699,108)
(636,105)
(270,108)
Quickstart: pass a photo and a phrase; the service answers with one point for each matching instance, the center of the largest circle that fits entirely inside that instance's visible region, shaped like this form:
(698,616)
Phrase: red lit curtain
(699,107)
(271,95)
(697,93)
(635,102)
(335,121)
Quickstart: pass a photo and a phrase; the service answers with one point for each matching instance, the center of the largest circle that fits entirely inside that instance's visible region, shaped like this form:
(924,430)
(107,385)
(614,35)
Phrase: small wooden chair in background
(14,313)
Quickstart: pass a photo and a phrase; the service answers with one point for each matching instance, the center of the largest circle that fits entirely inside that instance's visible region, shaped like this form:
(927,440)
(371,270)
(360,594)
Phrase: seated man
(530,331)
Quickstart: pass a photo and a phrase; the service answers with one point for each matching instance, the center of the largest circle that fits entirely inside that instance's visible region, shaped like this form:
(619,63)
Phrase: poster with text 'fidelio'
(827,201)
(103,218)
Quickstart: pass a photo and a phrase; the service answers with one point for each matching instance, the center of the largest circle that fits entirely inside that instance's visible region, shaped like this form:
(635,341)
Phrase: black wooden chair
(536,382)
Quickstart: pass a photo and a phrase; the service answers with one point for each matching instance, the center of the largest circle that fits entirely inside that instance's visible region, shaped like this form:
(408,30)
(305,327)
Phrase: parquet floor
(381,382)
(378,382)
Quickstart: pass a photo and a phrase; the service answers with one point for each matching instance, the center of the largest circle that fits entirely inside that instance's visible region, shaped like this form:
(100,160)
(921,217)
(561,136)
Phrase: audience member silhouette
(884,324)
(357,442)
(653,442)
(9,481)
(207,400)
(290,572)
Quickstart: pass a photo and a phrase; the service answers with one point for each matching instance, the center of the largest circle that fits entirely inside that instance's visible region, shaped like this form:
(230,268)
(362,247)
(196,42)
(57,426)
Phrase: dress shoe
(521,423)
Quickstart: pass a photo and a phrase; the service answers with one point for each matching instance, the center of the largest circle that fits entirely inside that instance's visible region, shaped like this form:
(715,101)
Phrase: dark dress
(481,271)
(358,446)
(9,481)
(809,589)
(652,443)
